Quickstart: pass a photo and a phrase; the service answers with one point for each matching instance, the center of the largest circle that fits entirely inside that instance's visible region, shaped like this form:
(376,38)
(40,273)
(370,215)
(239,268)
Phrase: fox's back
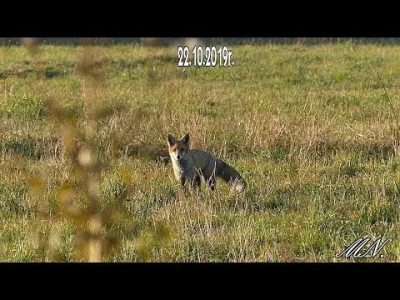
(202,159)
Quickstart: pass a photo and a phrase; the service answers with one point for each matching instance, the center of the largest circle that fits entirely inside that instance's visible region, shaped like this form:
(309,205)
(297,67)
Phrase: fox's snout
(177,155)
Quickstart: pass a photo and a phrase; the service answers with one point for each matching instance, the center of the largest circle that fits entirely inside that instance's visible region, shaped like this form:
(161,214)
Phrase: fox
(193,165)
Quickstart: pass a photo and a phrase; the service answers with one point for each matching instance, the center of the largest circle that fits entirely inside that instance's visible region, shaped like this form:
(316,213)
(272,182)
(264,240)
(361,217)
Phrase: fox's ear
(171,140)
(186,139)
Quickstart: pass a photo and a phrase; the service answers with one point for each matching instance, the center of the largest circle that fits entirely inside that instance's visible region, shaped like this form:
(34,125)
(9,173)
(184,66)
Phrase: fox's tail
(230,175)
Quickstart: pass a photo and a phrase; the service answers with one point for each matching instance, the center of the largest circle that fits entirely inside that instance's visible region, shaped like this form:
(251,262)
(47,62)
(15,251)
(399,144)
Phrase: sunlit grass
(309,128)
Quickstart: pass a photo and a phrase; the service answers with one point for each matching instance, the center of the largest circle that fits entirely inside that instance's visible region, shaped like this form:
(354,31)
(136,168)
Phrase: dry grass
(309,127)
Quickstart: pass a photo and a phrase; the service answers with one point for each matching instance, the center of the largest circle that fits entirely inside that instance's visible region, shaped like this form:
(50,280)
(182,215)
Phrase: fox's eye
(182,149)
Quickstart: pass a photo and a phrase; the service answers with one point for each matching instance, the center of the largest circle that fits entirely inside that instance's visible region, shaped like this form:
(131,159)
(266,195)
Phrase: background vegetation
(313,130)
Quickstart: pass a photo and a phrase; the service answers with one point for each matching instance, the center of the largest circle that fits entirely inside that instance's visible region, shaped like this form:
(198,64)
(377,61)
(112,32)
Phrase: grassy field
(312,129)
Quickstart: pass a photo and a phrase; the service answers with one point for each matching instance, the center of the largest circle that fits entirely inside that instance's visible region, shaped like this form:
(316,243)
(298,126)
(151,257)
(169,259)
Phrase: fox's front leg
(183,181)
(184,187)
(195,185)
(196,182)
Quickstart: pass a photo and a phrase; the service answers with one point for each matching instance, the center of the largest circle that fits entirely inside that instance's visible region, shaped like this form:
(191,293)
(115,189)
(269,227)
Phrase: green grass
(309,128)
